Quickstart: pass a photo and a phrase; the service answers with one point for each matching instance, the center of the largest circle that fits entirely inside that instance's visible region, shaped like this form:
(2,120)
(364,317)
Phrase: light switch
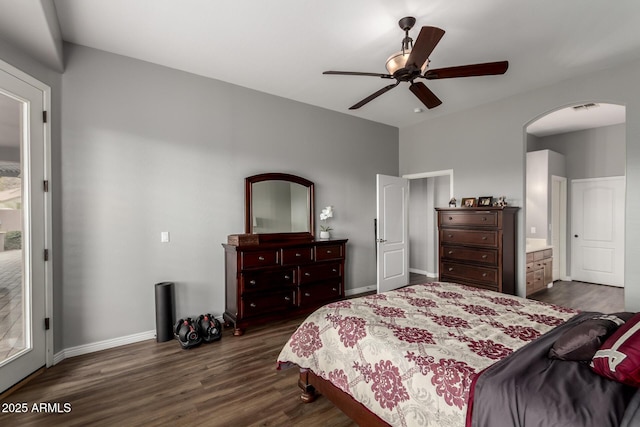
(164,237)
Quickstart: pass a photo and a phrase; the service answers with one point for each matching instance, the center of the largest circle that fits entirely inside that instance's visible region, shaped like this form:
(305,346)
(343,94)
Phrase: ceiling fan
(412,63)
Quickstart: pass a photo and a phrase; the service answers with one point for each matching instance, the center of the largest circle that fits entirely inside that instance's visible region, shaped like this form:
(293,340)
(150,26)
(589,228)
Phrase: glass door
(22,230)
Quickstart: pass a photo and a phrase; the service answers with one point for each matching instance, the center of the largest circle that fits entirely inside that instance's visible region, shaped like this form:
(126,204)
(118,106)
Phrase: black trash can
(165,312)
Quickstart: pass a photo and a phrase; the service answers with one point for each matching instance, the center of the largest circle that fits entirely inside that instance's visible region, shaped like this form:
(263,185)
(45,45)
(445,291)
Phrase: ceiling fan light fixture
(398,61)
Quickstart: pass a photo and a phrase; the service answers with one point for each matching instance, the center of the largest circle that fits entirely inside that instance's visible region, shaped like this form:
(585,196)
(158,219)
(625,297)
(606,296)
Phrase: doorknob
(381,240)
(575,235)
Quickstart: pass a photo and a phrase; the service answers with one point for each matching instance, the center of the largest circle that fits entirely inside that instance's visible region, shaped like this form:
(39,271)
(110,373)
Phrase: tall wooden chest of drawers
(274,280)
(477,247)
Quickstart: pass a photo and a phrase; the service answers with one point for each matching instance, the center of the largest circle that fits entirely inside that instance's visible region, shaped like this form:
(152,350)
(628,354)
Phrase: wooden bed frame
(310,383)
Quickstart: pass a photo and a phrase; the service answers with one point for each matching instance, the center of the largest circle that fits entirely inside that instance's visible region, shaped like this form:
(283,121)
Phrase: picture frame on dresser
(468,202)
(485,201)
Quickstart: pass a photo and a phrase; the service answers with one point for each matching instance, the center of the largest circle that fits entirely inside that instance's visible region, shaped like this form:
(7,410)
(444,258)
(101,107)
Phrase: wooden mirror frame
(248,206)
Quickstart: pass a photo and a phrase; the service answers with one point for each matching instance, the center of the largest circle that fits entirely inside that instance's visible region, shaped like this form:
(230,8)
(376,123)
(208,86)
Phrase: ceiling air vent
(585,106)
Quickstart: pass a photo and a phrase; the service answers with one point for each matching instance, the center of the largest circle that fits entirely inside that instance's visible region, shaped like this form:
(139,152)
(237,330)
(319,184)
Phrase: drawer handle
(261,258)
(252,305)
(334,289)
(484,274)
(484,256)
(307,274)
(450,218)
(450,252)
(298,255)
(286,276)
(449,235)
(287,298)
(484,218)
(334,270)
(307,294)
(450,268)
(252,282)
(328,251)
(484,237)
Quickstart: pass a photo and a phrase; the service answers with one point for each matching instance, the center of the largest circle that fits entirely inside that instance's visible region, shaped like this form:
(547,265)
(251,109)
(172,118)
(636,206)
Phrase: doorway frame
(432,174)
(562,226)
(525,126)
(48,222)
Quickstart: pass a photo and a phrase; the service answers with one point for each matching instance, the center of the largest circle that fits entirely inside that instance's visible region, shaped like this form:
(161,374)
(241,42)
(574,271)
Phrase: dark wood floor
(584,296)
(233,382)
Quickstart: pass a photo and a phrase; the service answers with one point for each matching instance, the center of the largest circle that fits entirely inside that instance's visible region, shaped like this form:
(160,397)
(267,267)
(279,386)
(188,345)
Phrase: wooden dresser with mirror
(277,269)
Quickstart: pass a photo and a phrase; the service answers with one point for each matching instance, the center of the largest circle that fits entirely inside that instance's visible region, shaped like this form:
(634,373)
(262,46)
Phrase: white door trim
(444,172)
(562,226)
(433,174)
(48,226)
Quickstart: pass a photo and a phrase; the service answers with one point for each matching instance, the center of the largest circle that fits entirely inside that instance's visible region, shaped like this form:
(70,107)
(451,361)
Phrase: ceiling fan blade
(357,73)
(486,69)
(424,45)
(424,94)
(373,96)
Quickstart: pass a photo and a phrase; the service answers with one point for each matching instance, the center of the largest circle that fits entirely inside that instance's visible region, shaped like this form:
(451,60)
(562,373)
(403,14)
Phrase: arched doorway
(568,148)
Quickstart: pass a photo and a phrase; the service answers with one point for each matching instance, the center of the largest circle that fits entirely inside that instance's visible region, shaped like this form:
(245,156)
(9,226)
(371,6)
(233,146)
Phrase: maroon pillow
(619,356)
(582,341)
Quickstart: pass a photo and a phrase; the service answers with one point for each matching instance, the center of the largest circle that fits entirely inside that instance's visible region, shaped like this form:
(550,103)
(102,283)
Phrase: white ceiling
(281,47)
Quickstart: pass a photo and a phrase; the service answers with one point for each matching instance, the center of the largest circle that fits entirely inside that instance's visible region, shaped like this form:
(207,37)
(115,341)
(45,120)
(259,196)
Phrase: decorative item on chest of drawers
(477,247)
(278,280)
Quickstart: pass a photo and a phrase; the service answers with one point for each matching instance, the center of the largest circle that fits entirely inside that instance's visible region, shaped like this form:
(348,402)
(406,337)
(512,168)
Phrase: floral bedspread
(410,355)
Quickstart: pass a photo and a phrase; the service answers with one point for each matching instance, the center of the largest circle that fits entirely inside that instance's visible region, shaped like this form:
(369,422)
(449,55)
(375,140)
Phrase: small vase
(325,235)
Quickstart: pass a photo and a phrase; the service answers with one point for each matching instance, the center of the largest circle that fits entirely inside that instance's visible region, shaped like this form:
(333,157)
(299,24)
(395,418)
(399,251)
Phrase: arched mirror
(279,206)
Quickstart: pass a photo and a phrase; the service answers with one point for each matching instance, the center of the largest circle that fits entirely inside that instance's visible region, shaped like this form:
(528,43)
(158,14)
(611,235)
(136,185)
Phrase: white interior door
(392,234)
(23,229)
(597,224)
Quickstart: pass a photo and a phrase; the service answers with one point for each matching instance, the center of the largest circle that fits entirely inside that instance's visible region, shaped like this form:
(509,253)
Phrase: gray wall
(590,153)
(149,149)
(472,141)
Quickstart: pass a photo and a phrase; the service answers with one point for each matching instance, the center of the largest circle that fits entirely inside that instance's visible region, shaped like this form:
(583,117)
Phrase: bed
(419,355)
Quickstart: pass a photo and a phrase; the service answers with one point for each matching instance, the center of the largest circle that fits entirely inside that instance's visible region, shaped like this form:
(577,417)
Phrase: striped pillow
(619,356)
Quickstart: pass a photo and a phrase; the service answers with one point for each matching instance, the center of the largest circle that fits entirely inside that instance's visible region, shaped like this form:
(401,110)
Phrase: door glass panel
(14,338)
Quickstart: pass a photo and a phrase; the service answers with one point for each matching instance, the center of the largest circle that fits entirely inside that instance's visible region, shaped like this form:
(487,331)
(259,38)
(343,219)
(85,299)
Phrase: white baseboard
(424,273)
(106,344)
(102,345)
(356,291)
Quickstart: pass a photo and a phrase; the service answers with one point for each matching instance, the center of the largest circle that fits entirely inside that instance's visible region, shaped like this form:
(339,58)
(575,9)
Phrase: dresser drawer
(317,272)
(476,255)
(261,280)
(259,259)
(295,256)
(327,252)
(475,218)
(470,237)
(320,293)
(272,302)
(485,275)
